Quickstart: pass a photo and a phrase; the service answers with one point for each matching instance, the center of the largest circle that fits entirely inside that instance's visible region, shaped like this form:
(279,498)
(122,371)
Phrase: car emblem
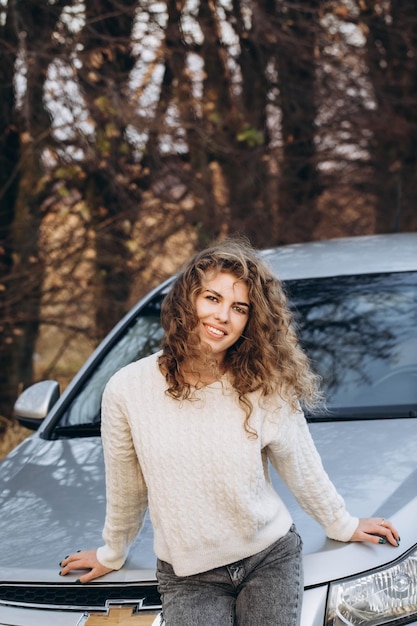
(122,615)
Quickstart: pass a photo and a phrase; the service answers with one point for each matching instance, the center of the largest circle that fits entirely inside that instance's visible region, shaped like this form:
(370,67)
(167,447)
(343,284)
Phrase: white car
(355,301)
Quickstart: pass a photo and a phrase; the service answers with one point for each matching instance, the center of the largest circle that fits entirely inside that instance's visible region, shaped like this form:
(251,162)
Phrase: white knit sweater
(204,479)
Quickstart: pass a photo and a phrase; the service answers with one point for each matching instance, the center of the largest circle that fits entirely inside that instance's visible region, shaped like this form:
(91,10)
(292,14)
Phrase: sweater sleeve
(296,459)
(126,493)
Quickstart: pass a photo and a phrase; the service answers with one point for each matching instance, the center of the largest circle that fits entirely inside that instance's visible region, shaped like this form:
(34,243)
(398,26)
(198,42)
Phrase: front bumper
(115,615)
(49,604)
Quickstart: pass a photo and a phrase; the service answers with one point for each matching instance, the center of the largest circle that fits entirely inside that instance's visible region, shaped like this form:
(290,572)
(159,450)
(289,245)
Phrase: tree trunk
(299,185)
(24,188)
(112,195)
(250,170)
(390,52)
(9,184)
(235,132)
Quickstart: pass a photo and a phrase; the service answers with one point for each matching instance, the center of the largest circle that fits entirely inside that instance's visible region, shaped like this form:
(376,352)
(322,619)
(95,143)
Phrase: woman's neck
(202,374)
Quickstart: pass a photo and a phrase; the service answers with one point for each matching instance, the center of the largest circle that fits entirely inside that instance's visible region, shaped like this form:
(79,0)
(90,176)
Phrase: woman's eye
(240,309)
(212,298)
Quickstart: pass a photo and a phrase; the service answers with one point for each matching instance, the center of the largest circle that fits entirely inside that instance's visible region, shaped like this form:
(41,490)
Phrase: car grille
(78,597)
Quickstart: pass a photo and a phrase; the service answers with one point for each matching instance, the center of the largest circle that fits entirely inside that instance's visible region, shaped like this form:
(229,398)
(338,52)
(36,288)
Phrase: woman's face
(222,308)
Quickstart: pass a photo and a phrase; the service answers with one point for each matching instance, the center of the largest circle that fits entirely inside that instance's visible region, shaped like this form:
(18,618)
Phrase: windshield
(360,333)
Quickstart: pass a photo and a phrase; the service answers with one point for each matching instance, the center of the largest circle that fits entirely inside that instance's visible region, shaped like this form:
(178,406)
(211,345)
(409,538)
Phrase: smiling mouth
(215,331)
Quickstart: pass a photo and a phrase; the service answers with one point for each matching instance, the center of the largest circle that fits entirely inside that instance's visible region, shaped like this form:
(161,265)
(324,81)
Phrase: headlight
(388,596)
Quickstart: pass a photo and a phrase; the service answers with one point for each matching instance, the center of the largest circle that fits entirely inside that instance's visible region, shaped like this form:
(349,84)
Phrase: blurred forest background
(132,132)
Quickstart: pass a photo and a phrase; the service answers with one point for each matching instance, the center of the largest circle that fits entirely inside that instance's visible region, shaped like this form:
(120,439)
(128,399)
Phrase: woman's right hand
(85,559)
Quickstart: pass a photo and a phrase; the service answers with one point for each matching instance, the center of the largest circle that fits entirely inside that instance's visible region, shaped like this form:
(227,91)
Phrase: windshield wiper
(90,429)
(334,414)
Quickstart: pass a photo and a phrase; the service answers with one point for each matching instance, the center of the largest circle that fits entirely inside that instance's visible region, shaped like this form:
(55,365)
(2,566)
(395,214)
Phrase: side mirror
(35,402)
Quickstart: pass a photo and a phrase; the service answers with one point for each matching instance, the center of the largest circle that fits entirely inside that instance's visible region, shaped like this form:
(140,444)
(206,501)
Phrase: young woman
(188,433)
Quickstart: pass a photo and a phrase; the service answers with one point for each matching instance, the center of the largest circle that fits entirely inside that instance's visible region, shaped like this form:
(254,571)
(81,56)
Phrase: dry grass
(11,434)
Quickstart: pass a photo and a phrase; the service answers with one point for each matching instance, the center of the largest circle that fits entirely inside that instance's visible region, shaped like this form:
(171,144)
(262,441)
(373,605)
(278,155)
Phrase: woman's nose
(222,313)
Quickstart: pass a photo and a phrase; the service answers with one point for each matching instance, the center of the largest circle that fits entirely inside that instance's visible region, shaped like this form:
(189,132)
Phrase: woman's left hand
(83,559)
(376,530)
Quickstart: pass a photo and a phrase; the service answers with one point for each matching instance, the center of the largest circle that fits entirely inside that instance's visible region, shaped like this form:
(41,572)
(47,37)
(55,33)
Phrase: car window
(360,333)
(142,337)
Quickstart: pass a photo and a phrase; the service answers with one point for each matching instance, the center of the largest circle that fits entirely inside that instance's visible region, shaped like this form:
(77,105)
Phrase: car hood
(52,502)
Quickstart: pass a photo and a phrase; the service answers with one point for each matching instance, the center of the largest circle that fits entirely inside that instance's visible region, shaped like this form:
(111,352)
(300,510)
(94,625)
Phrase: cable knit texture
(204,479)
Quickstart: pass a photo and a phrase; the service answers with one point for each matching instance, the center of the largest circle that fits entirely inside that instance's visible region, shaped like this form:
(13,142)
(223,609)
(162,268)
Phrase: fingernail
(382,540)
(60,565)
(60,573)
(78,582)
(66,557)
(78,550)
(398,542)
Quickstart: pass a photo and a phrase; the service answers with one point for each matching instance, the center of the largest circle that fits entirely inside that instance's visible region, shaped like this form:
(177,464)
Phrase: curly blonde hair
(267,357)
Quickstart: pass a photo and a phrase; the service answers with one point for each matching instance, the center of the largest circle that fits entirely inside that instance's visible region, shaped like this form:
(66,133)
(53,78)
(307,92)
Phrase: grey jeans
(263,589)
